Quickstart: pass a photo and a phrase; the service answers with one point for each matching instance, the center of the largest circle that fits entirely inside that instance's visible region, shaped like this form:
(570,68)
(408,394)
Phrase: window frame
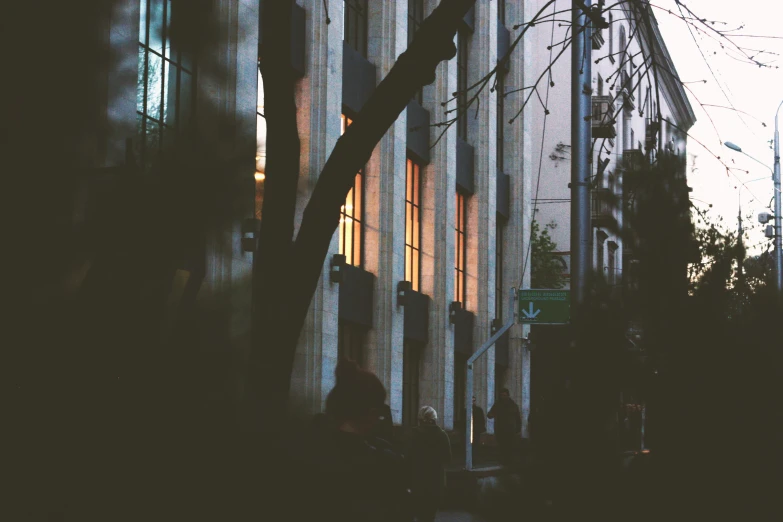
(413,227)
(355,25)
(461,249)
(356,199)
(171,61)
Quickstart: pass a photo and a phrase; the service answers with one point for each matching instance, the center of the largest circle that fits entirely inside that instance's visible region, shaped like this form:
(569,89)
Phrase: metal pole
(581,109)
(778,216)
(469,379)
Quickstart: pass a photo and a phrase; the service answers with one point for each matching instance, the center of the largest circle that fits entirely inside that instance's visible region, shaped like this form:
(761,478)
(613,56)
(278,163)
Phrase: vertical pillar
(319,98)
(482,207)
(384,243)
(438,209)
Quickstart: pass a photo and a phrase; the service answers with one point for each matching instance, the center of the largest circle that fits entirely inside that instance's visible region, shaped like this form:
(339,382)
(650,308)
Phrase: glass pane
(156,25)
(407,263)
(408,181)
(348,209)
(357,243)
(341,235)
(167,52)
(456,285)
(408,227)
(416,232)
(348,240)
(154,85)
(152,142)
(357,212)
(415,270)
(416,185)
(140,81)
(186,93)
(170,94)
(143,21)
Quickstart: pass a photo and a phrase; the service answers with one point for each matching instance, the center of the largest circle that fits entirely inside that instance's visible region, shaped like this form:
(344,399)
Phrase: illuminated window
(164,88)
(462,84)
(351,216)
(260,175)
(413,225)
(355,25)
(415,18)
(461,249)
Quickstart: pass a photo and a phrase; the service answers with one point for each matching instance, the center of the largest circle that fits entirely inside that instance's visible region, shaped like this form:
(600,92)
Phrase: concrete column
(438,211)
(384,243)
(320,94)
(482,206)
(519,163)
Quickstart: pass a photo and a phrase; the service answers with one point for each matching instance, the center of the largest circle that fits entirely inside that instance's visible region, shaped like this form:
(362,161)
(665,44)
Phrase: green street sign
(542,306)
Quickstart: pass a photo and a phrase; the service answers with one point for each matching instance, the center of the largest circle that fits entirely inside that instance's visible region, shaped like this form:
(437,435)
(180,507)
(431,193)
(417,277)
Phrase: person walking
(508,425)
(428,456)
(354,476)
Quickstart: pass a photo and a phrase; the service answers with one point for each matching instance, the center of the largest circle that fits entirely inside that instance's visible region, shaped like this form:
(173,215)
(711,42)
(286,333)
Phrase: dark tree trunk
(286,274)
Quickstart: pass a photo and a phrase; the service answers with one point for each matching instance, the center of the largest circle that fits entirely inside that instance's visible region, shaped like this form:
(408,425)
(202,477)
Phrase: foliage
(546,268)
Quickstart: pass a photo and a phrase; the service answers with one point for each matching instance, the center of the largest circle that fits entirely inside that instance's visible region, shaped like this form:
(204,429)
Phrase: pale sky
(756,91)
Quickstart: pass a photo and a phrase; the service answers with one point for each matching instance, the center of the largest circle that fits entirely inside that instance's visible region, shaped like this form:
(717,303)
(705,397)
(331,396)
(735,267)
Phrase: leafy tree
(546,268)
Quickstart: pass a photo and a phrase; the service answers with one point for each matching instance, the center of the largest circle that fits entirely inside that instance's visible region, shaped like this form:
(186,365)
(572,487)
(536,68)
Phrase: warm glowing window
(460,249)
(260,174)
(413,225)
(351,217)
(355,25)
(462,84)
(164,88)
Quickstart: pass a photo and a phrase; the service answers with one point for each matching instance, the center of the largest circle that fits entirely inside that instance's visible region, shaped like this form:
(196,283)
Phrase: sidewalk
(457,516)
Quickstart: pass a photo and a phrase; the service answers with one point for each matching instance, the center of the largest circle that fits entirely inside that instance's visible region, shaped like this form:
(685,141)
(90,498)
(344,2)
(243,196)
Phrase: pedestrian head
(474,399)
(356,402)
(428,415)
(504,393)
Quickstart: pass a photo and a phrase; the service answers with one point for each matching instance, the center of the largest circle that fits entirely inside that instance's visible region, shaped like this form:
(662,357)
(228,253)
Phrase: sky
(745,87)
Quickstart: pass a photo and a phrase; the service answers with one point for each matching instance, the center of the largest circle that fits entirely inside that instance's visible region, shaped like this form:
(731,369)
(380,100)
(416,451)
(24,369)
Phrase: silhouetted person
(353,475)
(428,456)
(508,425)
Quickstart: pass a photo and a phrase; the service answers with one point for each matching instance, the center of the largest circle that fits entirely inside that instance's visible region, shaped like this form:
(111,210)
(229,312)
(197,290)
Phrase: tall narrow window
(611,37)
(501,123)
(413,224)
(352,217)
(411,356)
(600,246)
(260,174)
(350,342)
(502,12)
(415,18)
(164,88)
(461,249)
(499,302)
(600,86)
(613,275)
(462,84)
(355,25)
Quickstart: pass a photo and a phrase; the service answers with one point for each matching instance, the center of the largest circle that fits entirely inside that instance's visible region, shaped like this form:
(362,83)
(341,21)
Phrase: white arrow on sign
(531,314)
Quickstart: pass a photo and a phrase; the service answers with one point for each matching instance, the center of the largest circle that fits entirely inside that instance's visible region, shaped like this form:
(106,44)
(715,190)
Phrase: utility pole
(581,135)
(778,217)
